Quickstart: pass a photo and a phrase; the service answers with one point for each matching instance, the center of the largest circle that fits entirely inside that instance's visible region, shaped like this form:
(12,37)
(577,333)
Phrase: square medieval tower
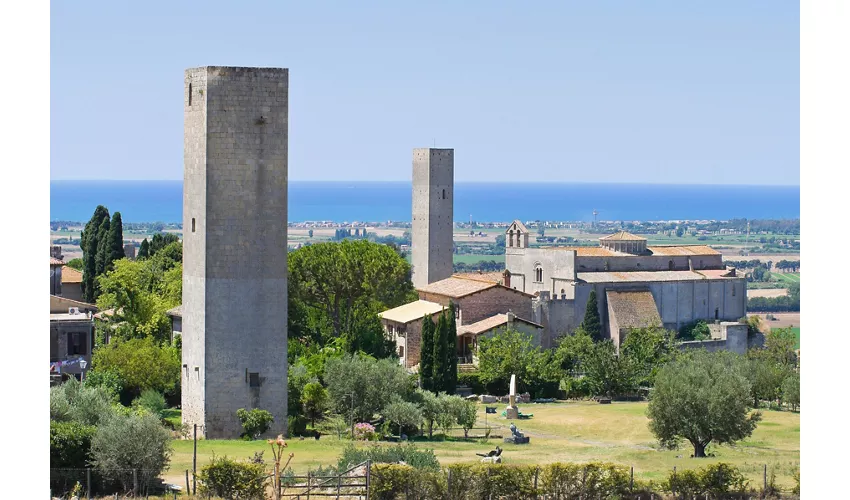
(234,246)
(433,215)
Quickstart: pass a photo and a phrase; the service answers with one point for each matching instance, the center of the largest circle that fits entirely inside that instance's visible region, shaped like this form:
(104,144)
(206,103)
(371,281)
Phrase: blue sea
(151,201)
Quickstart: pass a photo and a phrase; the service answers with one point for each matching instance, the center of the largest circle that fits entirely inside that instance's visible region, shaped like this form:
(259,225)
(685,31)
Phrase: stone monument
(512,412)
(516,436)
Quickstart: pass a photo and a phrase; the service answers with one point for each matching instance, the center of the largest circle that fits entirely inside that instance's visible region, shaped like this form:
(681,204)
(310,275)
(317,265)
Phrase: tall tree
(451,348)
(144,249)
(160,241)
(426,354)
(116,240)
(89,244)
(703,398)
(440,357)
(592,323)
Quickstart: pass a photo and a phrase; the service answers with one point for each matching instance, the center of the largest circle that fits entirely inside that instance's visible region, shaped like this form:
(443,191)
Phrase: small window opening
(444,194)
(254,379)
(190,94)
(670,265)
(716,313)
(193,224)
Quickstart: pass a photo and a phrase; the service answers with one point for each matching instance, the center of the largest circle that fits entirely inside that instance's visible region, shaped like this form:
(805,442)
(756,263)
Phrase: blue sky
(659,92)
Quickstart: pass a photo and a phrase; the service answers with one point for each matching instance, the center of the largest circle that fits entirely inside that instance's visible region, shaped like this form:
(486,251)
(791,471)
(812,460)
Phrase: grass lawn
(786,277)
(796,331)
(560,432)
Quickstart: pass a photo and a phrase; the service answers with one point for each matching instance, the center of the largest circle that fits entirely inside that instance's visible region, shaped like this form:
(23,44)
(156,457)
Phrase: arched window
(538,273)
(511,238)
(563,295)
(670,265)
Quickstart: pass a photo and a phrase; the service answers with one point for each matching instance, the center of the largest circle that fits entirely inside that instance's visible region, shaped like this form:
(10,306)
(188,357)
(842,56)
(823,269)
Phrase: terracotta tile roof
(682,250)
(488,324)
(493,277)
(56,262)
(457,287)
(640,276)
(411,311)
(623,236)
(71,275)
(672,250)
(633,309)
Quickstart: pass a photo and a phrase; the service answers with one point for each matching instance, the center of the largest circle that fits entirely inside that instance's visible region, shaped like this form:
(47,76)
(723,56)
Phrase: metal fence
(91,483)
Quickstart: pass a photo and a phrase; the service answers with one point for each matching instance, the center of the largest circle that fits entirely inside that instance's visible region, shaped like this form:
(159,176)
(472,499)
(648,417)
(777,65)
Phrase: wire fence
(92,483)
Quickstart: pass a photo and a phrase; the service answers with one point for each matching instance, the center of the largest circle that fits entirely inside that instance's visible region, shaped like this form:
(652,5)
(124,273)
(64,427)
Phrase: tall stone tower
(433,209)
(234,246)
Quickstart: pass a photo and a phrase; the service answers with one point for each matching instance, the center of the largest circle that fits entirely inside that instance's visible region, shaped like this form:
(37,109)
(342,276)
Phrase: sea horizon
(485,201)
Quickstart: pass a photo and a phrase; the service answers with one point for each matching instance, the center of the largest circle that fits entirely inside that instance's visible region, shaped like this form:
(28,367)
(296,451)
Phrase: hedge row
(558,480)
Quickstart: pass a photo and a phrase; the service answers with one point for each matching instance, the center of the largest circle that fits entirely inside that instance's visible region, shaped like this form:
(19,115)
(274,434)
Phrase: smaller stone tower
(433,210)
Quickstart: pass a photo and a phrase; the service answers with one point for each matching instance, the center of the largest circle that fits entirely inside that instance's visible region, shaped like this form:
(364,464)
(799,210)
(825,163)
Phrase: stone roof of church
(520,226)
(664,251)
(71,275)
(495,276)
(650,276)
(623,236)
(411,311)
(487,324)
(633,309)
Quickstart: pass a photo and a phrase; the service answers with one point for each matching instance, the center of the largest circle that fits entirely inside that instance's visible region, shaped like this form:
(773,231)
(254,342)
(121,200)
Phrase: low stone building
(72,282)
(176,315)
(403,325)
(71,335)
(469,336)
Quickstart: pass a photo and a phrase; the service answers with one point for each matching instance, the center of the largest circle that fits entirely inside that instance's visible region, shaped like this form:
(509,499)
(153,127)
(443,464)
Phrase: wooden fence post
(187,482)
(632,480)
(764,490)
(88,483)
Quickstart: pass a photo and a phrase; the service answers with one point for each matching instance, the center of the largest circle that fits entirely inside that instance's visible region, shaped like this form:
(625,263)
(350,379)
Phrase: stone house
(403,325)
(72,282)
(71,335)
(176,315)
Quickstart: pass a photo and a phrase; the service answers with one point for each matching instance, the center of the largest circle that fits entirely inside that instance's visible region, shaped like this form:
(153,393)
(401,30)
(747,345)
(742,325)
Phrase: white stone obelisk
(512,412)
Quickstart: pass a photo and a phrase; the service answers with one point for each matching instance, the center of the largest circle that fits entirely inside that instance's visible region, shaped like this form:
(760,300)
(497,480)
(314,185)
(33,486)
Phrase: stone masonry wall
(432,242)
(235,221)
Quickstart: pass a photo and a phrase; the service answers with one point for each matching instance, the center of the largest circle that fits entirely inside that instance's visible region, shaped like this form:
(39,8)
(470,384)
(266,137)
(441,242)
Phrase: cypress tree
(451,341)
(440,358)
(144,249)
(426,359)
(103,250)
(115,240)
(592,323)
(89,244)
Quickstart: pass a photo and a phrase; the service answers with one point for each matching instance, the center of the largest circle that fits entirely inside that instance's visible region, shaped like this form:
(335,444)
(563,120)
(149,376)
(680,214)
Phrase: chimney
(507,278)
(511,317)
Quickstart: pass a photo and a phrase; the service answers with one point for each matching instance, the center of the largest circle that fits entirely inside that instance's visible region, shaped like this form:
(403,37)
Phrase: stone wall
(432,243)
(234,240)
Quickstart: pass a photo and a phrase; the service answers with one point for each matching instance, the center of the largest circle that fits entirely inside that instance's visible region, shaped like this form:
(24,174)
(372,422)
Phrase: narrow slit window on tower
(254,379)
(190,94)
(193,224)
(444,194)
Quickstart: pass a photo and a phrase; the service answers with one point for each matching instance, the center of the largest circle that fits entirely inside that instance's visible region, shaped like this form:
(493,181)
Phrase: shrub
(364,431)
(229,479)
(391,481)
(110,381)
(717,480)
(471,380)
(152,401)
(392,454)
(141,364)
(404,415)
(72,401)
(123,443)
(592,480)
(254,422)
(70,444)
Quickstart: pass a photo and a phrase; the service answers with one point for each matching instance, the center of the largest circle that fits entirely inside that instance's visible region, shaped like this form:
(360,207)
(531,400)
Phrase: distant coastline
(349,201)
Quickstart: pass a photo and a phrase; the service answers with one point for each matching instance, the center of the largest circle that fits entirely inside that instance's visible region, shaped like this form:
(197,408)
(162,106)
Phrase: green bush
(390,454)
(471,380)
(73,401)
(229,479)
(108,380)
(152,401)
(716,480)
(473,481)
(695,330)
(254,422)
(70,444)
(123,443)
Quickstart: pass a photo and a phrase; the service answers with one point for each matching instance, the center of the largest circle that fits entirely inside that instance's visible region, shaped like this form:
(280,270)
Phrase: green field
(796,331)
(786,278)
(560,432)
(473,258)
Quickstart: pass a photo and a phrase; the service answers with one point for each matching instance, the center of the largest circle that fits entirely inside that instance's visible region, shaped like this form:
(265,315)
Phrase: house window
(77,344)
(401,351)
(254,379)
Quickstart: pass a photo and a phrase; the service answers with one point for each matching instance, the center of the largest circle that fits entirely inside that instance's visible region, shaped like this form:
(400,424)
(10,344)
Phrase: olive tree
(702,398)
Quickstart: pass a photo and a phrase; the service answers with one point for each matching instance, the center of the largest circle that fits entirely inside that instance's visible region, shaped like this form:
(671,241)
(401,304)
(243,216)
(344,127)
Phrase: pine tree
(440,358)
(89,243)
(592,323)
(451,347)
(115,240)
(144,249)
(426,359)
